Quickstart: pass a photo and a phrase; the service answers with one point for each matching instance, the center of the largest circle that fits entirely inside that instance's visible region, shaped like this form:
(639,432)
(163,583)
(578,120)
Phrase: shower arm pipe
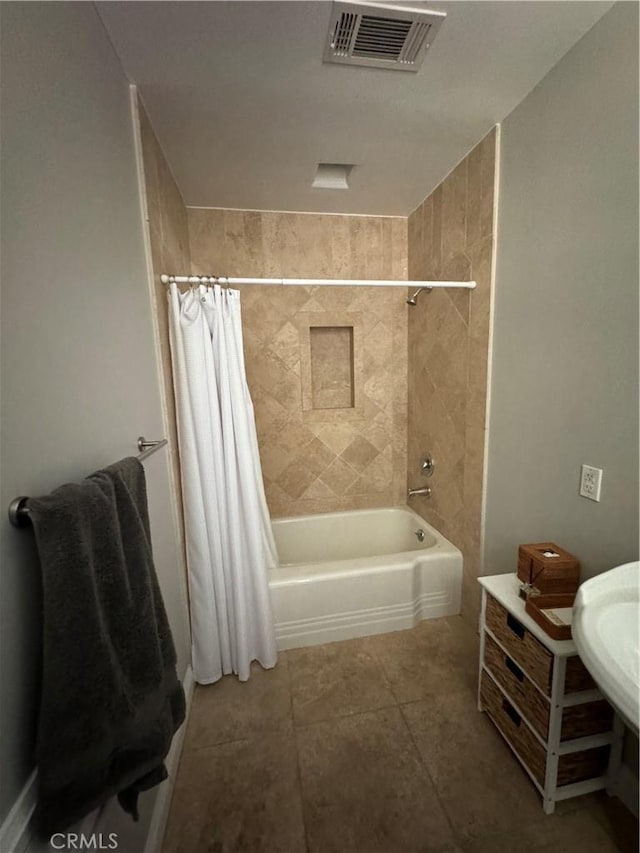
(312,282)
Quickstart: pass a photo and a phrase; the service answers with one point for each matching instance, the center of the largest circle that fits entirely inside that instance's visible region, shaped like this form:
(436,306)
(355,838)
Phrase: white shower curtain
(229,540)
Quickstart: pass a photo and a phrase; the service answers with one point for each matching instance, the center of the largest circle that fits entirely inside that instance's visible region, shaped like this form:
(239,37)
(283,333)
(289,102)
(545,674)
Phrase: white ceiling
(245,109)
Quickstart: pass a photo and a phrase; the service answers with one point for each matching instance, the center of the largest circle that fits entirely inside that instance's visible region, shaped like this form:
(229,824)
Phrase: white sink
(606,631)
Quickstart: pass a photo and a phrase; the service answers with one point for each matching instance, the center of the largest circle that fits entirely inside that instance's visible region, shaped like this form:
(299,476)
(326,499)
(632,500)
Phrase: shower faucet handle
(427,465)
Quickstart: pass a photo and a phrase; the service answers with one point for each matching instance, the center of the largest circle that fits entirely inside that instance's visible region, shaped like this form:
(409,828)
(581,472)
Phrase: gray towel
(111,700)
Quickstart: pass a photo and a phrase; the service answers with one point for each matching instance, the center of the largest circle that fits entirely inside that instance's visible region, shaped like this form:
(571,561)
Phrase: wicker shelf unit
(542,700)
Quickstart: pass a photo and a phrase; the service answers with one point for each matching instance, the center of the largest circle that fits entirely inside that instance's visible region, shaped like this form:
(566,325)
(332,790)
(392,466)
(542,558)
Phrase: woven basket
(590,718)
(572,767)
(520,644)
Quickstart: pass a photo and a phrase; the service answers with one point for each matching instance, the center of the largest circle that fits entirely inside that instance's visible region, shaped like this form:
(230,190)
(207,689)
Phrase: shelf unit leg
(555,731)
(483,612)
(615,756)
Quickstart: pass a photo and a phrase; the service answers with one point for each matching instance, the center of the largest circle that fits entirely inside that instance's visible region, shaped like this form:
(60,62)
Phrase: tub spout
(424,492)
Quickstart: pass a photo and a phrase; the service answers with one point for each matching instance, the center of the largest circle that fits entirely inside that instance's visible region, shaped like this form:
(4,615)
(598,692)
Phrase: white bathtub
(353,574)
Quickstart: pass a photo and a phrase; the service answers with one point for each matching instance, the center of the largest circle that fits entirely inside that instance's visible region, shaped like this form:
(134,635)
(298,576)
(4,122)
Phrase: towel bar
(146,448)
(19,511)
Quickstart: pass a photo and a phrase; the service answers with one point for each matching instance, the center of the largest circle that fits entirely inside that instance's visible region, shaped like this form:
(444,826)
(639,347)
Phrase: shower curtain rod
(312,282)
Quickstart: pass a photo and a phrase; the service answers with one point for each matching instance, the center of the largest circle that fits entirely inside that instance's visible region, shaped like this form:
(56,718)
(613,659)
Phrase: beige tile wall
(169,237)
(450,236)
(327,461)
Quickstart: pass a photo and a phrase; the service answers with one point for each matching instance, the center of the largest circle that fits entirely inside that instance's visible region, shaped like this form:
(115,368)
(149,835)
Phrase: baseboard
(17,833)
(14,832)
(165,790)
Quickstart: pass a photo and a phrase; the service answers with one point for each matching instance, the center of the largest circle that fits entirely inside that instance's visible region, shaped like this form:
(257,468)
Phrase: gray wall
(564,388)
(79,375)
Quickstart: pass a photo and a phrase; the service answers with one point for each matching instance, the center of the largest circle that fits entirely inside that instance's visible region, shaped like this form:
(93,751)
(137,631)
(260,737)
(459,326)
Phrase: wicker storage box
(572,767)
(548,568)
(590,718)
(520,644)
(529,653)
(576,677)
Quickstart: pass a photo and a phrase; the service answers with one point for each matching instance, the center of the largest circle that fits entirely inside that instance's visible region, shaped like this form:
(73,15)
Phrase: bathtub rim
(304,573)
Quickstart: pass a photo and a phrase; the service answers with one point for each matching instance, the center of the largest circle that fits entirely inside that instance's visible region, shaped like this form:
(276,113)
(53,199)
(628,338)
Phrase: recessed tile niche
(331,354)
(331,367)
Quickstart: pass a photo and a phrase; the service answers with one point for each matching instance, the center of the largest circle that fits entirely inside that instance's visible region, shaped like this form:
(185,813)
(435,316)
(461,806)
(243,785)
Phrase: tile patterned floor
(369,746)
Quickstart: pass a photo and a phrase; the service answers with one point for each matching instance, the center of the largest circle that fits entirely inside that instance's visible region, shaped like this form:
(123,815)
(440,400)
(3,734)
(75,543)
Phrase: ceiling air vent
(380,36)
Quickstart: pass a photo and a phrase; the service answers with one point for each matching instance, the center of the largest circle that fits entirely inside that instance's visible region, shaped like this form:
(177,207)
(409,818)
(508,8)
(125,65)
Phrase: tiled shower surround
(451,237)
(417,377)
(318,459)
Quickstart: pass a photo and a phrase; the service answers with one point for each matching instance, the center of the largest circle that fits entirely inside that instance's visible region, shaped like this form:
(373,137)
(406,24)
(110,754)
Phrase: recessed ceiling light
(332,176)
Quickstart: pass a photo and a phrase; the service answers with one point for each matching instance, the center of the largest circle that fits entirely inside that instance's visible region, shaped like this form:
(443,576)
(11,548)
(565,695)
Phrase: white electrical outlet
(590,482)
